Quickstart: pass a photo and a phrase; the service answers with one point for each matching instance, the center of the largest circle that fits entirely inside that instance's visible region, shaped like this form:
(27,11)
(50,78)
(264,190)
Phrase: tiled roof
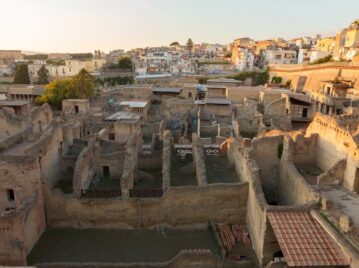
(303,241)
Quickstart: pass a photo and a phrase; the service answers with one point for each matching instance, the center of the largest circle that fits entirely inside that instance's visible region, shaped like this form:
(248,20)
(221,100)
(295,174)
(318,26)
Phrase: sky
(86,25)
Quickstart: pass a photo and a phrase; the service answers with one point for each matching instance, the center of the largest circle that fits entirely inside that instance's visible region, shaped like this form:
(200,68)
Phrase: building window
(10,195)
(190,94)
(305,112)
(106,171)
(111,136)
(76,109)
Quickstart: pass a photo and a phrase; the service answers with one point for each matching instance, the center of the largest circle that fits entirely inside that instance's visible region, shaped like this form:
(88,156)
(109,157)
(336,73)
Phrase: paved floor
(347,202)
(70,245)
(220,170)
(178,179)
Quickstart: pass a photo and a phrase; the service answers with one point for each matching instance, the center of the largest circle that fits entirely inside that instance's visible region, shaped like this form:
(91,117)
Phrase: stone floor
(105,183)
(310,173)
(153,180)
(344,200)
(71,245)
(178,179)
(220,170)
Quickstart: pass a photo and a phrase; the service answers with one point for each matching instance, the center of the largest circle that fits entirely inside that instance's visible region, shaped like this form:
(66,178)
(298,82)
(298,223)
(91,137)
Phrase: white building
(316,55)
(71,68)
(304,55)
(280,56)
(242,58)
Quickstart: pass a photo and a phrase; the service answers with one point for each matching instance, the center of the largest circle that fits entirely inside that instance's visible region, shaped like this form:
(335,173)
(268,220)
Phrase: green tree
(173,44)
(43,76)
(125,63)
(277,79)
(258,78)
(22,74)
(84,84)
(323,60)
(203,80)
(57,91)
(189,45)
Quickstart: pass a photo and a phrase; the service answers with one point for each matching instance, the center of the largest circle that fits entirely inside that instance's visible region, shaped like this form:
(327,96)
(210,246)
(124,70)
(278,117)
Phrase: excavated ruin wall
(188,205)
(185,258)
(294,189)
(20,229)
(334,144)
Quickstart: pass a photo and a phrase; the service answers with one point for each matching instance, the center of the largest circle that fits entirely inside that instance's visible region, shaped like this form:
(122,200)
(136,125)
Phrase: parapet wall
(185,258)
(315,74)
(224,203)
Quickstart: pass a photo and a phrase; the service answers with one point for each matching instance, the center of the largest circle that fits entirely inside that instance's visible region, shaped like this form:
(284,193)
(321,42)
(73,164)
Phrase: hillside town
(185,155)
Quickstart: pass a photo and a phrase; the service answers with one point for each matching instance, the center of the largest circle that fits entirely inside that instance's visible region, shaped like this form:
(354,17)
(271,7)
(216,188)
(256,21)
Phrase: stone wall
(130,165)
(238,94)
(293,188)
(178,206)
(84,170)
(265,153)
(150,161)
(10,124)
(335,143)
(186,258)
(166,160)
(20,229)
(315,74)
(199,160)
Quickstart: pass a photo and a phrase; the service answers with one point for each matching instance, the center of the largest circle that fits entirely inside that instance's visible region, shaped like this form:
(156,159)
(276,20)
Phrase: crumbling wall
(130,164)
(304,150)
(256,218)
(166,160)
(293,188)
(188,205)
(41,117)
(47,149)
(333,175)
(10,124)
(20,229)
(335,143)
(84,170)
(266,154)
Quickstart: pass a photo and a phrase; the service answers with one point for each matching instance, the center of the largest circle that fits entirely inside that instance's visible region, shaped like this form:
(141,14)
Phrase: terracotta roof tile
(303,241)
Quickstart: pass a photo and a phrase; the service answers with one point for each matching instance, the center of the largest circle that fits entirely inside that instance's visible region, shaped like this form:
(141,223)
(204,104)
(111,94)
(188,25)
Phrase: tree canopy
(43,76)
(125,63)
(22,74)
(80,86)
(189,44)
(36,57)
(173,44)
(258,78)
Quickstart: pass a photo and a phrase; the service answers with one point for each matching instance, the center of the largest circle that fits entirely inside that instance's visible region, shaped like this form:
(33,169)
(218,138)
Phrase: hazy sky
(86,25)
